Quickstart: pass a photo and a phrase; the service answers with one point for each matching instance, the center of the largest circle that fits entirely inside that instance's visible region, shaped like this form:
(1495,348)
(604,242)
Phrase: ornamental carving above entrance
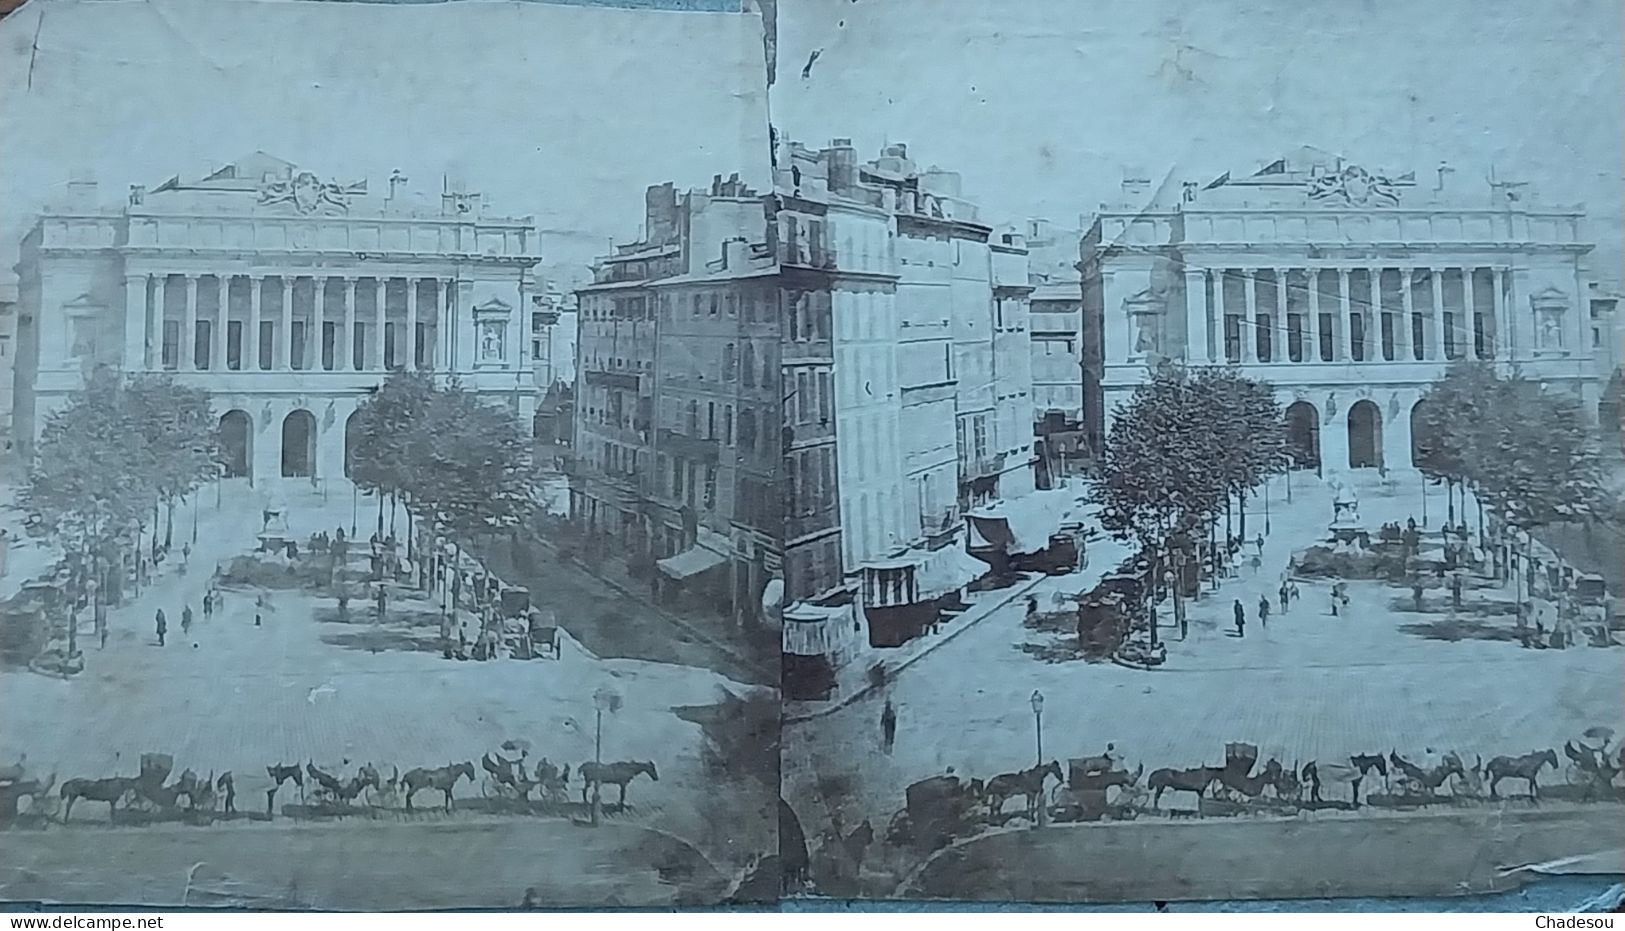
(1354,186)
(307,194)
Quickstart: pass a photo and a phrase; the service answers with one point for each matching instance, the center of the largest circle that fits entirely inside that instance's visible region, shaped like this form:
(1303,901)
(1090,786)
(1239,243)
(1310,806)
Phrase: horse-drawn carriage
(1088,793)
(1240,786)
(938,810)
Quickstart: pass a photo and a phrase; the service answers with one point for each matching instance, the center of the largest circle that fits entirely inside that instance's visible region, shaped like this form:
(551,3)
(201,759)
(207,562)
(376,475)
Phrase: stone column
(467,339)
(188,347)
(160,321)
(411,361)
(1373,327)
(284,343)
(348,362)
(1196,330)
(1436,286)
(437,303)
(1469,311)
(1316,327)
(256,293)
(1502,347)
(318,324)
(222,324)
(448,314)
(1345,312)
(1408,302)
(378,310)
(1249,326)
(1279,350)
(1222,352)
(135,323)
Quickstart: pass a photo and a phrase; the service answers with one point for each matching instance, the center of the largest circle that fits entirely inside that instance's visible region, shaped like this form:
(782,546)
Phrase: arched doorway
(236,444)
(352,442)
(299,444)
(1303,435)
(1365,436)
(1422,437)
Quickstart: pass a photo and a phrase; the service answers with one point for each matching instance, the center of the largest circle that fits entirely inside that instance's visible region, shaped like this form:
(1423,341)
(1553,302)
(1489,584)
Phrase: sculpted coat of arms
(307,194)
(1354,186)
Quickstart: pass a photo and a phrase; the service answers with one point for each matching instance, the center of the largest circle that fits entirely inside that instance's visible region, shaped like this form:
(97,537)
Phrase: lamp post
(355,504)
(1038,731)
(603,700)
(1424,500)
(1267,506)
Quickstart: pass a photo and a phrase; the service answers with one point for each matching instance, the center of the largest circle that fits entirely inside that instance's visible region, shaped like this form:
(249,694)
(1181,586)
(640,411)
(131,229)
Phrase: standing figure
(1455,591)
(208,604)
(1286,594)
(888,726)
(162,625)
(1241,618)
(186,621)
(1259,543)
(1263,611)
(226,786)
(380,603)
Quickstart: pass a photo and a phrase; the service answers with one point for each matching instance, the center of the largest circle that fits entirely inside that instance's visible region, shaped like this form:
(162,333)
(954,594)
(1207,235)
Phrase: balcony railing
(981,467)
(939,523)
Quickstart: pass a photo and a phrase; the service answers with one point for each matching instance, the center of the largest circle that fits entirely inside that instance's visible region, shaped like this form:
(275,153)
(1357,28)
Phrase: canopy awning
(1025,524)
(815,630)
(947,570)
(690,562)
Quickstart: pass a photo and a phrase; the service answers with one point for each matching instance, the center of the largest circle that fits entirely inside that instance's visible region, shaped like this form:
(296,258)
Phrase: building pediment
(273,182)
(495,307)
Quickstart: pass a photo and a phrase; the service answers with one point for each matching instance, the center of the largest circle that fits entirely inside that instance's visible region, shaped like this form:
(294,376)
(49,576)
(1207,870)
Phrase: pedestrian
(1416,595)
(104,635)
(344,605)
(381,602)
(227,786)
(1241,618)
(1455,591)
(1286,594)
(1292,588)
(162,625)
(1259,543)
(186,621)
(888,726)
(186,553)
(1336,600)
(208,604)
(1263,611)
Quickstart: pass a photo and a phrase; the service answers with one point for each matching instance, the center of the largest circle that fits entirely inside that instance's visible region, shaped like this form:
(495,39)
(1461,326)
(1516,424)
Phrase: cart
(938,810)
(1087,795)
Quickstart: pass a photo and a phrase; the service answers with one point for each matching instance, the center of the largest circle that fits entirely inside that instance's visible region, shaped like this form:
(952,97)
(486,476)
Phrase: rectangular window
(1452,345)
(1294,337)
(825,390)
(1266,336)
(391,357)
(330,341)
(358,347)
(234,345)
(421,349)
(676,478)
(267,344)
(297,358)
(1419,336)
(728,424)
(203,345)
(715,301)
(710,487)
(1232,338)
(1328,330)
(172,341)
(1357,337)
(710,420)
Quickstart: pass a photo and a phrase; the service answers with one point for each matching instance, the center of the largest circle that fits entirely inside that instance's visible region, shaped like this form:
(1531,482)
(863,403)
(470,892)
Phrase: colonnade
(361,331)
(1346,314)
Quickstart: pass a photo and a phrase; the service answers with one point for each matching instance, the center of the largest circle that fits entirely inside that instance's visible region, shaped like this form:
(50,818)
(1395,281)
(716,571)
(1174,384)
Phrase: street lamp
(1038,730)
(603,700)
(1267,506)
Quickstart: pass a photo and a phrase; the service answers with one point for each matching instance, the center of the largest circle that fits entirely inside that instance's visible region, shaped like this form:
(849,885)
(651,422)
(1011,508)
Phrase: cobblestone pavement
(1308,686)
(305,686)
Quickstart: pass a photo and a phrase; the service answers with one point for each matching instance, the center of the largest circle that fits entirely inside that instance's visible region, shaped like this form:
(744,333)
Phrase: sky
(1043,105)
(565,113)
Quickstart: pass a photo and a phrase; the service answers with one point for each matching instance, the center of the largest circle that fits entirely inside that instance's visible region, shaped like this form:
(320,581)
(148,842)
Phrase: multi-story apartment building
(1059,446)
(677,446)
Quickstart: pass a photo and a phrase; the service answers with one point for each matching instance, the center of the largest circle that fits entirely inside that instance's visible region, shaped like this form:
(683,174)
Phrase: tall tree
(1249,438)
(385,423)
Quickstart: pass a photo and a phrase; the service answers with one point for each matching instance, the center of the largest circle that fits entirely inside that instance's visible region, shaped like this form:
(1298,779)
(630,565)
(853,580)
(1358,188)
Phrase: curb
(1014,592)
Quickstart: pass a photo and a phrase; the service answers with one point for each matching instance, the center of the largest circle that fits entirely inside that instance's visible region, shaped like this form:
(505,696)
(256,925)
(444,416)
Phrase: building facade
(285,297)
(677,443)
(1349,290)
(1059,447)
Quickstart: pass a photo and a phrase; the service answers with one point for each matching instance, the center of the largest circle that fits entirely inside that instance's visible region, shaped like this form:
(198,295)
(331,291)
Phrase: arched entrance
(1303,435)
(299,444)
(352,442)
(236,444)
(1365,436)
(1422,438)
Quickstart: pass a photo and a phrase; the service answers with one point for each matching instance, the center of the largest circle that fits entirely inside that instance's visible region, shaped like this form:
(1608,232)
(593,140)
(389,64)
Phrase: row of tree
(461,462)
(1525,451)
(121,453)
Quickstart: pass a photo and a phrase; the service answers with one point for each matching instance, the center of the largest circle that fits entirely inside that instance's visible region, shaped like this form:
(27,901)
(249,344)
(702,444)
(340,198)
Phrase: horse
(1028,782)
(1196,779)
(279,774)
(1351,774)
(1594,765)
(615,774)
(1429,780)
(508,773)
(1526,767)
(345,791)
(554,783)
(1236,780)
(109,790)
(443,778)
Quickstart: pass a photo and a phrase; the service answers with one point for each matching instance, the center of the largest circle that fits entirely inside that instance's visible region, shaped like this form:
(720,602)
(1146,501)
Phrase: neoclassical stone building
(1348,289)
(288,298)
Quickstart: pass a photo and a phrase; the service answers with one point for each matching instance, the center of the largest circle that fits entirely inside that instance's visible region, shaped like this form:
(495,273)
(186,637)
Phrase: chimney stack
(841,161)
(660,213)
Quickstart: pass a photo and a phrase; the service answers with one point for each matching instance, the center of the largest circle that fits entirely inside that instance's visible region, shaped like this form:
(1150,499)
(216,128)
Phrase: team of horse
(328,791)
(1330,782)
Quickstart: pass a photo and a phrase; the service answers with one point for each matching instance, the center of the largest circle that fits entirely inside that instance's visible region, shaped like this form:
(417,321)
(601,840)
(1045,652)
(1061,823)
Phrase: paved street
(1453,853)
(1310,686)
(307,686)
(356,866)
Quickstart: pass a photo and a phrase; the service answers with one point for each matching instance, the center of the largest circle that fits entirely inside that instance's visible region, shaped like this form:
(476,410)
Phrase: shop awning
(1025,524)
(815,630)
(947,570)
(690,562)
